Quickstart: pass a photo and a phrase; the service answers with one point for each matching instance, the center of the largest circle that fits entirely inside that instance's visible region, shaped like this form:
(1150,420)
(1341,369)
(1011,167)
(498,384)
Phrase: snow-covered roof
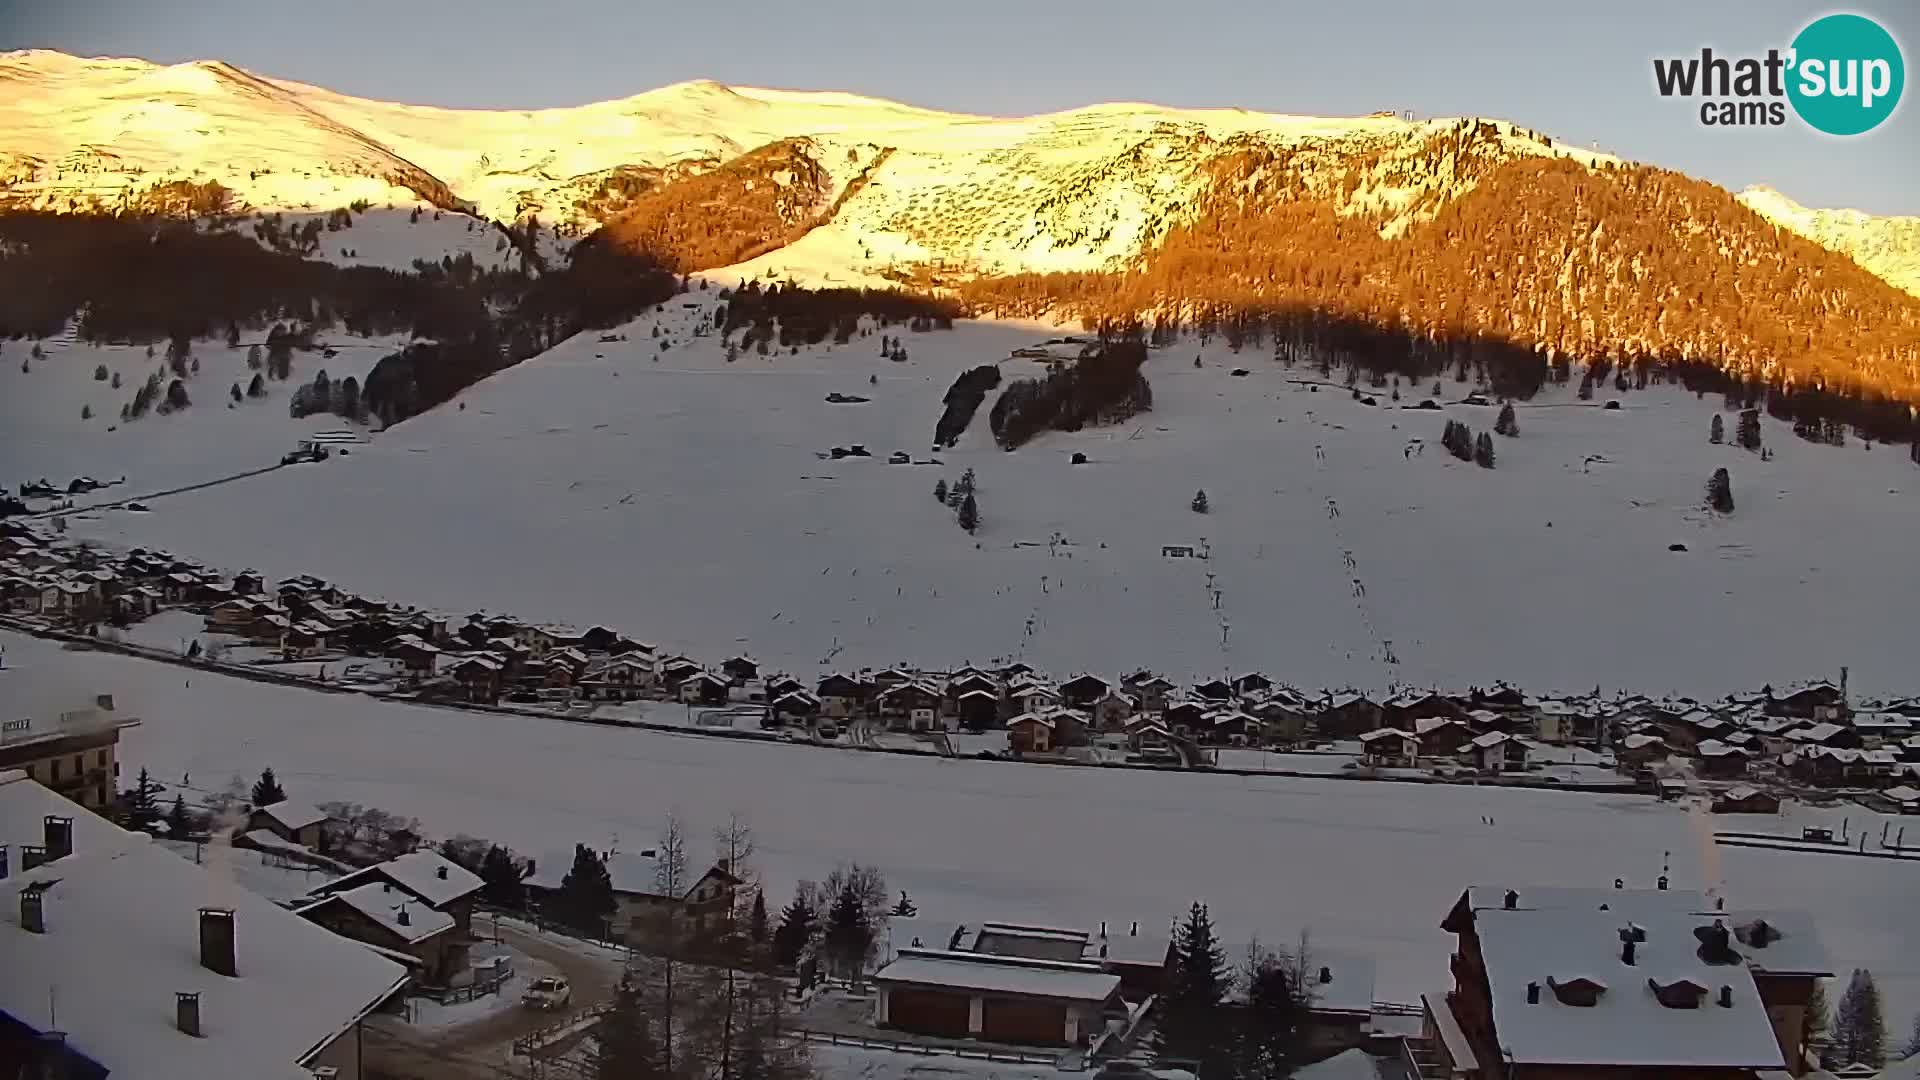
(1492,739)
(1383,734)
(1791,944)
(1627,1025)
(1635,742)
(1003,975)
(405,917)
(1354,1064)
(1902,793)
(25,807)
(432,877)
(293,815)
(1350,979)
(123,937)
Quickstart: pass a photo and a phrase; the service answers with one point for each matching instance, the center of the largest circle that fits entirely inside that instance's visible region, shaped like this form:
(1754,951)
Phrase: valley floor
(1368,867)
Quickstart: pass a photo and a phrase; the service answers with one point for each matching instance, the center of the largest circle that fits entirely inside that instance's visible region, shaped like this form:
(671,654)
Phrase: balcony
(86,779)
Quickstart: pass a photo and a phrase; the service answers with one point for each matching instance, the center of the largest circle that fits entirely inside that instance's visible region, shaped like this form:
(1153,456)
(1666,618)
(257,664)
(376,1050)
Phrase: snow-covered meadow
(42,433)
(681,498)
(1370,866)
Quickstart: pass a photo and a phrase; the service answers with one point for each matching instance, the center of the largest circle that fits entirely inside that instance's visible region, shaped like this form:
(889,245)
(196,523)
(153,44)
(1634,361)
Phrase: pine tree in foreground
(1859,1028)
(142,811)
(1720,492)
(1193,1022)
(267,790)
(178,823)
(1483,451)
(585,898)
(1506,424)
(1747,434)
(796,928)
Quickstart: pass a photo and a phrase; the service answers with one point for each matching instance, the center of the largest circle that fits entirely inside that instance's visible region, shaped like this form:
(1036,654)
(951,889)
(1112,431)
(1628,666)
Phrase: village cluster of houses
(1811,736)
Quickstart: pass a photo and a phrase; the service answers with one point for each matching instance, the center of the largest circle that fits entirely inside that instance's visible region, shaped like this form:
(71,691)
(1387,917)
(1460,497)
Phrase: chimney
(31,855)
(1726,996)
(33,911)
(1627,952)
(58,833)
(1326,975)
(530,867)
(1619,883)
(402,917)
(217,941)
(4,861)
(103,701)
(186,1014)
(49,1056)
(1511,900)
(1103,928)
(440,872)
(1533,993)
(1135,931)
(1662,883)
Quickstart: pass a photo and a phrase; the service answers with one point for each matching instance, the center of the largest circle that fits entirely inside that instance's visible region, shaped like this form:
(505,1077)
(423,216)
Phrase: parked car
(548,992)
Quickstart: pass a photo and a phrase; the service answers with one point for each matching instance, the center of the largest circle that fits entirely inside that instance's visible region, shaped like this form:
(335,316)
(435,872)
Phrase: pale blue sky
(1580,73)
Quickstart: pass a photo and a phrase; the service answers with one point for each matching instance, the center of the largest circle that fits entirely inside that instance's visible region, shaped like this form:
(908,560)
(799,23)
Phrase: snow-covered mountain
(1886,246)
(1079,190)
(1070,190)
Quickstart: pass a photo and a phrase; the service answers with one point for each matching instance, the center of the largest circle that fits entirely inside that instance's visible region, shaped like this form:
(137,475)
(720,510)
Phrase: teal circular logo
(1847,74)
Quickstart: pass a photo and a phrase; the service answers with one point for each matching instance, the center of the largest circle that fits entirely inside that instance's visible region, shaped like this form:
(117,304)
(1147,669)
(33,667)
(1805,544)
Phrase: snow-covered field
(1361,866)
(681,498)
(42,433)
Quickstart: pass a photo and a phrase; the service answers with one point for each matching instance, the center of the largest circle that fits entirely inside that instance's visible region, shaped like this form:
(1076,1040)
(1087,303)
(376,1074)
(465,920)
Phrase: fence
(833,1038)
(479,988)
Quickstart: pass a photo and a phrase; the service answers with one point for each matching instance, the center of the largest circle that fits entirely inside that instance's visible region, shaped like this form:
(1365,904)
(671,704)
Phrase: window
(100,758)
(79,764)
(53,767)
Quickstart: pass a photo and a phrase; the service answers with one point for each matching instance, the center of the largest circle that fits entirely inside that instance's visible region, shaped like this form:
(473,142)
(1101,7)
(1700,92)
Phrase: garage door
(1013,1020)
(929,1012)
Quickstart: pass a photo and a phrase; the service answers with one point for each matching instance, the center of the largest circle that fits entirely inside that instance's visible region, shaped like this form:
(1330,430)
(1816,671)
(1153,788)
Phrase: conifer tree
(141,809)
(850,934)
(758,930)
(178,823)
(1192,1021)
(1199,504)
(940,490)
(585,898)
(1720,492)
(965,486)
(1912,1048)
(796,928)
(1816,1020)
(502,875)
(257,388)
(1859,1028)
(1506,424)
(1717,431)
(267,790)
(1748,433)
(1483,451)
(969,515)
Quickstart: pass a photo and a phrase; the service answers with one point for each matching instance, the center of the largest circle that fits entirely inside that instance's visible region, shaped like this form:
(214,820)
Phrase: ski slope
(681,498)
(1361,866)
